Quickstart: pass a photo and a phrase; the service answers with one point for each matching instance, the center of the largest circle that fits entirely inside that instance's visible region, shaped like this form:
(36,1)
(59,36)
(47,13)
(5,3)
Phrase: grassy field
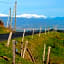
(4,30)
(36,45)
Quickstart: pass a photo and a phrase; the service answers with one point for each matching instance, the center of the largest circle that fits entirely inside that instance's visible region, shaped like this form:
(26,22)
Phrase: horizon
(30,16)
(49,8)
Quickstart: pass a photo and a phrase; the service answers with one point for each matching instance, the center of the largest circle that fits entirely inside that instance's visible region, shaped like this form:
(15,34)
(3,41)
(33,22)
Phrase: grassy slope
(53,39)
(4,30)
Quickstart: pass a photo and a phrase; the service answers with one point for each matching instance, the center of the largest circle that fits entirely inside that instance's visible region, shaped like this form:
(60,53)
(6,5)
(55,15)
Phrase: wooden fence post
(21,49)
(45,31)
(22,43)
(25,48)
(48,57)
(30,55)
(9,38)
(48,30)
(55,28)
(33,33)
(40,32)
(8,19)
(23,35)
(15,13)
(14,49)
(44,53)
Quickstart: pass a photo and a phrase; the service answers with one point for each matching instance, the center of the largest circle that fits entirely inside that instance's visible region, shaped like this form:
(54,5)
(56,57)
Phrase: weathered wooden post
(15,13)
(25,48)
(44,53)
(22,43)
(48,57)
(45,31)
(14,49)
(8,19)
(12,14)
(53,28)
(23,35)
(40,31)
(56,28)
(48,30)
(21,49)
(5,58)
(32,58)
(33,33)
(9,38)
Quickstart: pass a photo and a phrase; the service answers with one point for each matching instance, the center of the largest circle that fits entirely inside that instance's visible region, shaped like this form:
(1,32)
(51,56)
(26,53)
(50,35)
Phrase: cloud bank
(26,16)
(31,16)
(3,15)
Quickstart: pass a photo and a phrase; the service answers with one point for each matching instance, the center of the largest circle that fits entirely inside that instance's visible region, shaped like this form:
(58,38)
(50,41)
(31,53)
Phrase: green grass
(35,45)
(4,30)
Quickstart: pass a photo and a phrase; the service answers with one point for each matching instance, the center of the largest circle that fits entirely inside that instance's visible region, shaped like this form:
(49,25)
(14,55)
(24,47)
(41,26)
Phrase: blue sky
(41,7)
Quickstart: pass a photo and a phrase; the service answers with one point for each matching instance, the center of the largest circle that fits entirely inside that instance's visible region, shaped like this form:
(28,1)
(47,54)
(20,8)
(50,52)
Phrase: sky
(40,7)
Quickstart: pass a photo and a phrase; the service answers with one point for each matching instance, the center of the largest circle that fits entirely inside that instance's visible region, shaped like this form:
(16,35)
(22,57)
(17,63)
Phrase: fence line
(44,53)
(9,38)
(14,49)
(26,48)
(48,57)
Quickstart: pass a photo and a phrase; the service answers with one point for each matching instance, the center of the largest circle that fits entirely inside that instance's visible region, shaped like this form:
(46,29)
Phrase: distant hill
(32,22)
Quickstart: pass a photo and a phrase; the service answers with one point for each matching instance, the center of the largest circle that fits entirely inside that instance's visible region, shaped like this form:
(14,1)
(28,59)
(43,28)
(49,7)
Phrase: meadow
(36,46)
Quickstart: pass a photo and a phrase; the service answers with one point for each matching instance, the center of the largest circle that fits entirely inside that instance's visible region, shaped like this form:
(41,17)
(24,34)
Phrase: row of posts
(25,48)
(48,55)
(10,35)
(11,17)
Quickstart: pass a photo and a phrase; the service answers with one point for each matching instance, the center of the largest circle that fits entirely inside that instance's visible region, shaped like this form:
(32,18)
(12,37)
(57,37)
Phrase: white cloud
(31,16)
(55,16)
(3,15)
(26,16)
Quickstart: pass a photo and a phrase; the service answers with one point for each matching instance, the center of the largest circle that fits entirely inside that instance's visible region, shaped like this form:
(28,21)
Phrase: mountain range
(34,21)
